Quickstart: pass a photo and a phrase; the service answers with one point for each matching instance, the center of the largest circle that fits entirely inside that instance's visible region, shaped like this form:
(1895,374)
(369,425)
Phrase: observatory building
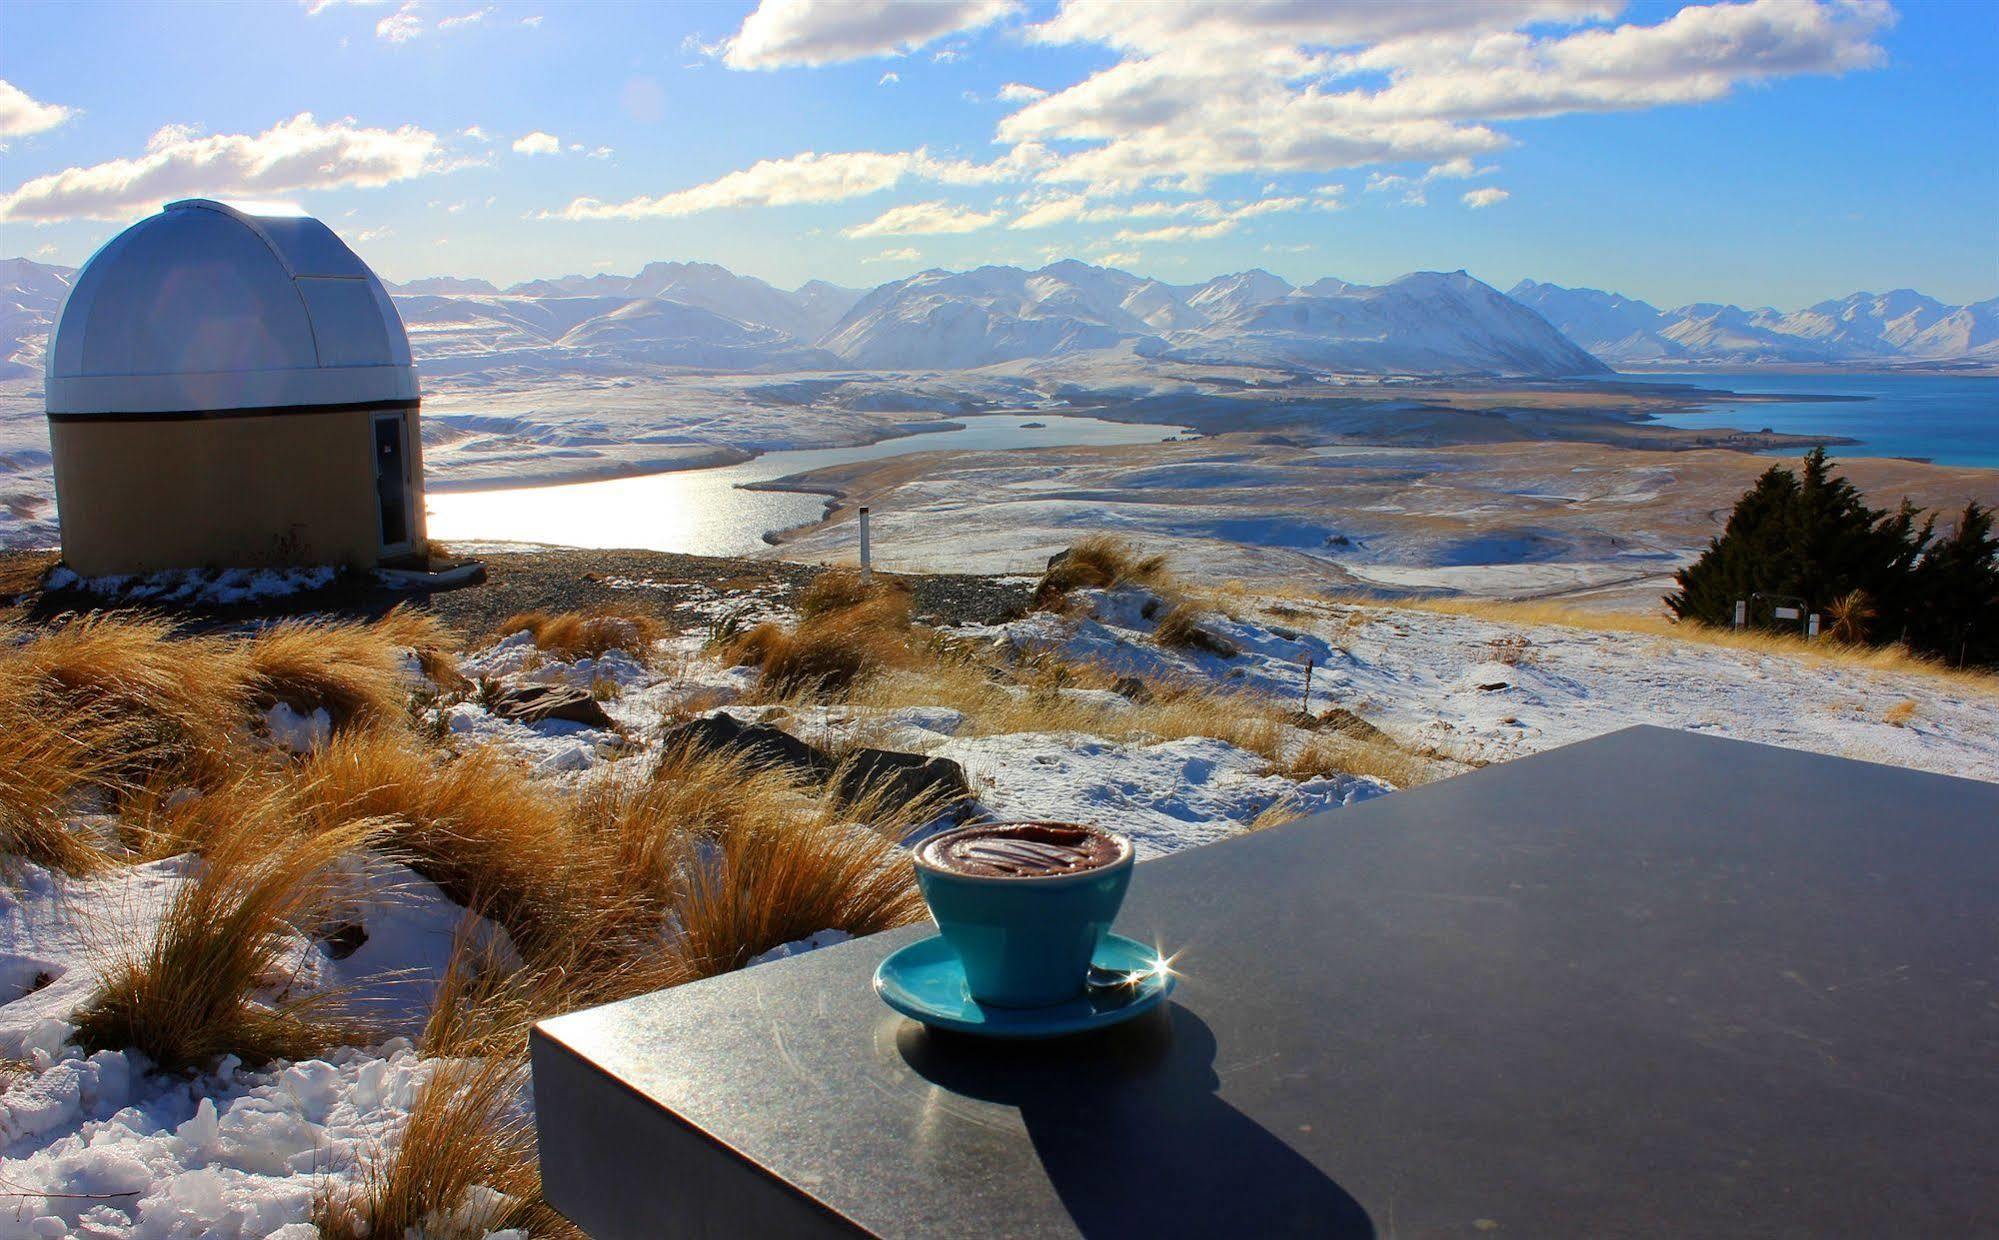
(232,391)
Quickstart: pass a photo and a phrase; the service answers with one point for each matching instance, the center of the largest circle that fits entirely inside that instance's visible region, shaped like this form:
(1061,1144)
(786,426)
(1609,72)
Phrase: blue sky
(1774,152)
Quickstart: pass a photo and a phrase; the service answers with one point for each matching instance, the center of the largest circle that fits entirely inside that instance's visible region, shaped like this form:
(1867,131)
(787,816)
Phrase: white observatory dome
(202,308)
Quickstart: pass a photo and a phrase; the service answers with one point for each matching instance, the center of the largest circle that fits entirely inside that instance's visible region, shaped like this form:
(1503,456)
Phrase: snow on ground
(1487,691)
(101,1146)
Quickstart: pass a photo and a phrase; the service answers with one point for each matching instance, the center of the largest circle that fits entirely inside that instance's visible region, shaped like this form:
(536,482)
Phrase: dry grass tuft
(576,635)
(51,763)
(1324,755)
(1181,628)
(192,994)
(838,589)
(770,880)
(165,818)
(176,702)
(1099,562)
(352,670)
(1900,713)
(827,652)
(478,826)
(463,1166)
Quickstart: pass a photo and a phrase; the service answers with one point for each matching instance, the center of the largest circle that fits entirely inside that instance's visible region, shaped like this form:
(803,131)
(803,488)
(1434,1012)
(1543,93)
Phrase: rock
(905,777)
(1134,688)
(762,744)
(536,703)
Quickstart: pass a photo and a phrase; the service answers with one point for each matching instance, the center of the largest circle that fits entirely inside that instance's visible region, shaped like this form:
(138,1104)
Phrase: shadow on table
(1134,1138)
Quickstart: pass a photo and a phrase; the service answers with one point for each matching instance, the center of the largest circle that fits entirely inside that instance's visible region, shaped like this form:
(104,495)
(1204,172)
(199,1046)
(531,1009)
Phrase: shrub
(576,635)
(1098,562)
(1880,575)
(192,994)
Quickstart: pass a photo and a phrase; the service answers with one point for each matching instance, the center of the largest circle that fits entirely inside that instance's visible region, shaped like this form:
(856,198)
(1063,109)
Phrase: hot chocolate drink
(1024,850)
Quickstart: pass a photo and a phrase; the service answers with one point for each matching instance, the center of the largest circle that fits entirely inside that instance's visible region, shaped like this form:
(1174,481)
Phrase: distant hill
(1899,325)
(701,316)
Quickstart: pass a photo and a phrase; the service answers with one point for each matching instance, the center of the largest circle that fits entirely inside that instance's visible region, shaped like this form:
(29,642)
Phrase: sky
(1769,152)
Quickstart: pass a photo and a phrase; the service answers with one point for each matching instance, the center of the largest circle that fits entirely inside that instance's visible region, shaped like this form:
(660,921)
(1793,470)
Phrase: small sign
(1786,613)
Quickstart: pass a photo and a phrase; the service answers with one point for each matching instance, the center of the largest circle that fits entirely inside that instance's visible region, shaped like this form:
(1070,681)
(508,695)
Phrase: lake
(707,511)
(1949,419)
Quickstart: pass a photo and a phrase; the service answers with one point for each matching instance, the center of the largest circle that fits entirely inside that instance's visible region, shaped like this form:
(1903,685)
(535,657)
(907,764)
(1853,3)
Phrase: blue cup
(1024,942)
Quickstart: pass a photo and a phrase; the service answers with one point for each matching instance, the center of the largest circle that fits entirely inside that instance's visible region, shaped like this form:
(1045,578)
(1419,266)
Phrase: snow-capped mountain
(30,294)
(704,317)
(1902,324)
(1426,322)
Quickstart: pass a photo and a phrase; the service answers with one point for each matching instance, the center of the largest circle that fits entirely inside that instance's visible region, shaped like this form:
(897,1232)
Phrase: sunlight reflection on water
(705,511)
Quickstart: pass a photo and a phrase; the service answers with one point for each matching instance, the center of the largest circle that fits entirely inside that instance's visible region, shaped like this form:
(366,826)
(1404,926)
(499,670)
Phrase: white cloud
(810,178)
(532,23)
(889,78)
(374,234)
(925,218)
(904,255)
(400,26)
(21,115)
(538,143)
(823,32)
(314,8)
(601,152)
(475,133)
(1220,222)
(293,155)
(1020,92)
(466,19)
(1491,195)
(1119,258)
(1214,87)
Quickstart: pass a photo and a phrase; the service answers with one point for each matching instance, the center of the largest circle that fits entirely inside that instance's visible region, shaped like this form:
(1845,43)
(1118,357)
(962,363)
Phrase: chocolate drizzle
(1024,850)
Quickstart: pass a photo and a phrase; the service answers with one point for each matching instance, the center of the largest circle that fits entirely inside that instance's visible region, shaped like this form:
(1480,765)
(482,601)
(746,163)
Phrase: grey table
(1651,984)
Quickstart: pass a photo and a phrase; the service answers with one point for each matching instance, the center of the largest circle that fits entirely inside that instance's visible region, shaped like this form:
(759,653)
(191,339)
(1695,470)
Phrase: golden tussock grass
(575,634)
(193,993)
(828,651)
(1180,628)
(178,700)
(838,589)
(1100,562)
(1034,696)
(165,818)
(1896,660)
(352,670)
(769,880)
(469,1132)
(47,766)
(478,826)
(1900,713)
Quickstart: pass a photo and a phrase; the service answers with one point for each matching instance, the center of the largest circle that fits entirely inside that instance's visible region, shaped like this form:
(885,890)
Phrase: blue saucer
(925,982)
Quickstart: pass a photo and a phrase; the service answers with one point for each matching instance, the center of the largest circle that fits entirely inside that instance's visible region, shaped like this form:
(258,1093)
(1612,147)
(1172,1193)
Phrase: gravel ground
(656,582)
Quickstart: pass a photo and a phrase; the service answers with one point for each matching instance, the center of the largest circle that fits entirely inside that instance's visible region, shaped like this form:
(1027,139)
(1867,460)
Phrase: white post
(867,566)
(1812,629)
(1741,612)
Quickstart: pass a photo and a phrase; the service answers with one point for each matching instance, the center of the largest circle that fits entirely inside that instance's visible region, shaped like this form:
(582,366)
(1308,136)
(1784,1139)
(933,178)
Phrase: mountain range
(703,316)
(1899,325)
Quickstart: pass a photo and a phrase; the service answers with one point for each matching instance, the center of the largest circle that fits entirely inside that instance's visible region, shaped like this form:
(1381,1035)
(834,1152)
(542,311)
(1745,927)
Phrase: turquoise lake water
(1949,419)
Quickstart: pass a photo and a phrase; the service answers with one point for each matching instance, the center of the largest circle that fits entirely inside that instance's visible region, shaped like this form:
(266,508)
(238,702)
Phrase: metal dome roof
(203,308)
